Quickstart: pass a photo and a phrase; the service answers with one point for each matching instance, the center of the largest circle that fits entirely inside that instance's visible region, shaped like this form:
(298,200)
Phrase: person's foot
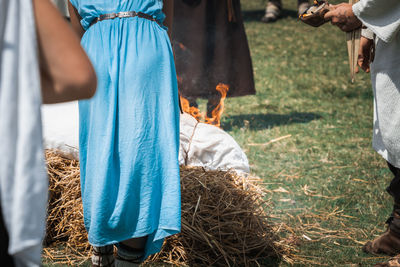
(302,7)
(394,262)
(388,243)
(272,12)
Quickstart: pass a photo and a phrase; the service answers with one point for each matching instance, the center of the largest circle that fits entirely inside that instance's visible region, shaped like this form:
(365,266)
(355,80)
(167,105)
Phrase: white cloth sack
(208,146)
(200,144)
(23,181)
(61,128)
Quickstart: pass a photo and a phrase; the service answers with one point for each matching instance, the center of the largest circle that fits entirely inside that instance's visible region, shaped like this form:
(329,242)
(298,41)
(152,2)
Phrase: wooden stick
(353,44)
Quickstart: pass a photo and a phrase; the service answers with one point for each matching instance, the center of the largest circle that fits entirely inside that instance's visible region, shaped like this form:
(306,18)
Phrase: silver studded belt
(125,14)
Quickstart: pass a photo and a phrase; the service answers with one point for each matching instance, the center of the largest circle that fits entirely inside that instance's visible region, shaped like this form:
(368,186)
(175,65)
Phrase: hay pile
(224,222)
(64,214)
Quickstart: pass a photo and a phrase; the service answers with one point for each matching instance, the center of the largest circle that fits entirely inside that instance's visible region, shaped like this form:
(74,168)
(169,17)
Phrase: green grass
(334,181)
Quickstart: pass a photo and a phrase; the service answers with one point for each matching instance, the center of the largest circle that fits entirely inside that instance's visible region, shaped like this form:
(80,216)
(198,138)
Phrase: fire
(216,113)
(219,109)
(195,112)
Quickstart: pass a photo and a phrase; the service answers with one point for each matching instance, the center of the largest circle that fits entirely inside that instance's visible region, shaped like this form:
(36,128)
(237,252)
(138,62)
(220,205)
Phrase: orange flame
(195,112)
(216,113)
(219,109)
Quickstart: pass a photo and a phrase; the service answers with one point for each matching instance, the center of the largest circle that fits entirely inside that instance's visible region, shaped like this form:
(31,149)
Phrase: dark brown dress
(210,48)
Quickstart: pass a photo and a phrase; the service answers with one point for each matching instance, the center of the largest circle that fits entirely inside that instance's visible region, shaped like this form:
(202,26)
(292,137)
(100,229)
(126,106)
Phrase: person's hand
(342,16)
(365,54)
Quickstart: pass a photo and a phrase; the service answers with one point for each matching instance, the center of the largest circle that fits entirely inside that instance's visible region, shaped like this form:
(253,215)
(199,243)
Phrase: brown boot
(394,262)
(389,242)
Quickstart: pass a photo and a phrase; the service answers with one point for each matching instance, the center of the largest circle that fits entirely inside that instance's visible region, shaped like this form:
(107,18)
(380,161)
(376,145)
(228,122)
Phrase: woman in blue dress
(129,131)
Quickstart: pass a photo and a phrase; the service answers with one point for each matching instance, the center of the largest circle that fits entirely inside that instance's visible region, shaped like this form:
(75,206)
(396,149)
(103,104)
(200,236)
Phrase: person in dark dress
(211,47)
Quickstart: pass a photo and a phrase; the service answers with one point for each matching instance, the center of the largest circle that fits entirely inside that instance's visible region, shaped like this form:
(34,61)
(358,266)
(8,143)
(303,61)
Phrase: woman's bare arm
(75,20)
(168,10)
(66,72)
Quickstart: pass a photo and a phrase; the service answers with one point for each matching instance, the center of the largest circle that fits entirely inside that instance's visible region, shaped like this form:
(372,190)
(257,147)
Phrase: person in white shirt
(41,60)
(382,19)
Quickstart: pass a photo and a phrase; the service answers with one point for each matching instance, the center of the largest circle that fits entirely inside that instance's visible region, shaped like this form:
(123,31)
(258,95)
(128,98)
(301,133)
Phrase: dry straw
(224,220)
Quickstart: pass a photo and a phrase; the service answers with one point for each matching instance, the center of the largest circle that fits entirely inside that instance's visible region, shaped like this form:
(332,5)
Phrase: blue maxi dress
(129,131)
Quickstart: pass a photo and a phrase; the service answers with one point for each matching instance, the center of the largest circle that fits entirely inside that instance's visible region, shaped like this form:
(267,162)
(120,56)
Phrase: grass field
(326,182)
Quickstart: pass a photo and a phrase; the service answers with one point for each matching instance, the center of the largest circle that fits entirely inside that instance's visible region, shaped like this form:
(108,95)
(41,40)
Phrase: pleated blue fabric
(129,131)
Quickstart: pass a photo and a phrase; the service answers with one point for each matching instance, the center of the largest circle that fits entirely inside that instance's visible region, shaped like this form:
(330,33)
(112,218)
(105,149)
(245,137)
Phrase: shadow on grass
(256,15)
(265,121)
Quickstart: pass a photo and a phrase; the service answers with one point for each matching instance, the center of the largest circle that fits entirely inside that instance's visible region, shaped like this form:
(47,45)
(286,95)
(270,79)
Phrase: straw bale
(224,219)
(64,213)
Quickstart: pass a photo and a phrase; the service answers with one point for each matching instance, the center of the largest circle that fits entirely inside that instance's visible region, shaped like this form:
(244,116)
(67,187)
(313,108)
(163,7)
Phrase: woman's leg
(130,252)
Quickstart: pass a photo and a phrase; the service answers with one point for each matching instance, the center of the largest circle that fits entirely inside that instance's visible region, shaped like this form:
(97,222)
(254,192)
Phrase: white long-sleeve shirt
(23,181)
(383,18)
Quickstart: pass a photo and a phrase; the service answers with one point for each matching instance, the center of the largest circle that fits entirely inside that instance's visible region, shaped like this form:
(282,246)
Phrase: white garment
(383,18)
(23,181)
(62,6)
